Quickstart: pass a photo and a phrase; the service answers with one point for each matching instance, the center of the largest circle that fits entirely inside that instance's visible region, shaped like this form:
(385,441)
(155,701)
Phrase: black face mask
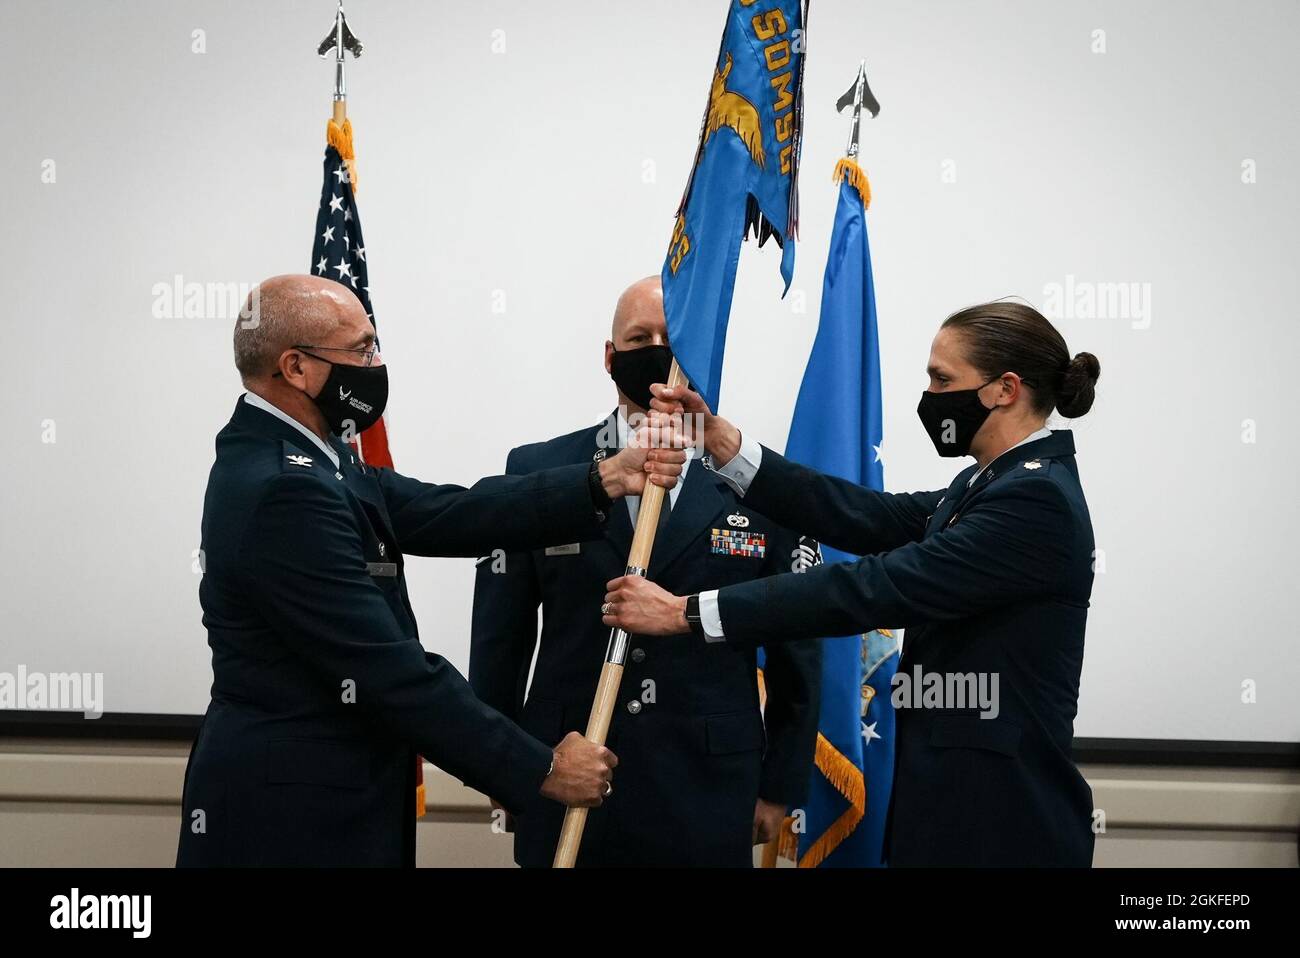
(634,371)
(953,418)
(353,397)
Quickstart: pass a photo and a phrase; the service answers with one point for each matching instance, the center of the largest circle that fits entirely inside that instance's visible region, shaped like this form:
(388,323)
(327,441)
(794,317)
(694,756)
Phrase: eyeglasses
(367,354)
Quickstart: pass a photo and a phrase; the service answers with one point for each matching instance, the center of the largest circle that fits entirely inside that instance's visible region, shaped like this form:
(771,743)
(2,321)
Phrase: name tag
(572,549)
(737,542)
(388,569)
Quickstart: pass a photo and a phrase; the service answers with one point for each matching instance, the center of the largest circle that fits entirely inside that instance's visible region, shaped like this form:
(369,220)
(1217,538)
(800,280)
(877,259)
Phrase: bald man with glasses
(322,693)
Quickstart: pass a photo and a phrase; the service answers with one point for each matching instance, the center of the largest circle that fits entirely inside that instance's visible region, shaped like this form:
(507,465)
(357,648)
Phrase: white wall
(551,172)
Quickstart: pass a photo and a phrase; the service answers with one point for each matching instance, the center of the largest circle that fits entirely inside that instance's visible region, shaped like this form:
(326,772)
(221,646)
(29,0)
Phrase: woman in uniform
(990,578)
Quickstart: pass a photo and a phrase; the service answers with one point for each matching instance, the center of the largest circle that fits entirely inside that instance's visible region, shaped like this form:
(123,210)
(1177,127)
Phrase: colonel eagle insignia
(733,110)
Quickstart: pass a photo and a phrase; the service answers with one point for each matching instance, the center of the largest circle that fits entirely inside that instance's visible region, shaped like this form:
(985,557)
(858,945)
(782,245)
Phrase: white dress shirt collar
(1032,437)
(257,402)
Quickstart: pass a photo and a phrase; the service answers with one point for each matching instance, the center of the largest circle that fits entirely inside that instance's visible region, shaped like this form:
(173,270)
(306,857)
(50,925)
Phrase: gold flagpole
(611,675)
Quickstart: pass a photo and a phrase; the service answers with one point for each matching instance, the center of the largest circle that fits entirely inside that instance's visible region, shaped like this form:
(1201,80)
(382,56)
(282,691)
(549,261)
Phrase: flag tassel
(846,169)
(339,136)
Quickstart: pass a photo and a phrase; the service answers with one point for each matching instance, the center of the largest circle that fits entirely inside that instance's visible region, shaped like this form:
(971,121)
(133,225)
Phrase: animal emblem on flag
(743,181)
(729,109)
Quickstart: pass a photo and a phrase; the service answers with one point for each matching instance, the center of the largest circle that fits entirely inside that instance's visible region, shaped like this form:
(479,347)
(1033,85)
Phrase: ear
(1010,388)
(292,369)
(609,356)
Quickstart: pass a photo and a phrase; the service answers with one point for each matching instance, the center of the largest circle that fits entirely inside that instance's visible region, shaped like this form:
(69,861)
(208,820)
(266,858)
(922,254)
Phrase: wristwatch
(693,615)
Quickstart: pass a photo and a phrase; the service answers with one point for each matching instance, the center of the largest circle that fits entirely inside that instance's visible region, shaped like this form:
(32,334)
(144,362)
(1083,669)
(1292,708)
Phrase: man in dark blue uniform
(700,779)
(322,693)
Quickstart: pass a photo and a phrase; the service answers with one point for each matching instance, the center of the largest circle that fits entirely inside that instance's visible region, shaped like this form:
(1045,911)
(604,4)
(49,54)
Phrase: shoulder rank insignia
(737,521)
(299,460)
(1033,464)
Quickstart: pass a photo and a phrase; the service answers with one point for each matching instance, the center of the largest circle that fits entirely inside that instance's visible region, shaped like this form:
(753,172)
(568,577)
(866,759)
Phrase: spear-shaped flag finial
(340,39)
(858,95)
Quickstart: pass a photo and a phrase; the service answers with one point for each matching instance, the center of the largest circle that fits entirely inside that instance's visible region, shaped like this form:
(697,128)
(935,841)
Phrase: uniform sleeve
(503,634)
(1012,545)
(842,514)
(510,512)
(306,572)
(792,674)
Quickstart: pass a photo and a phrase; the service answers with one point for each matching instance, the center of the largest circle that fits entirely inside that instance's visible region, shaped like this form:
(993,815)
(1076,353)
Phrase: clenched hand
(582,773)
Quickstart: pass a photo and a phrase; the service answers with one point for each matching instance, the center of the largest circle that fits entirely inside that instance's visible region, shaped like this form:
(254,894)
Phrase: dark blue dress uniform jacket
(695,759)
(321,692)
(992,579)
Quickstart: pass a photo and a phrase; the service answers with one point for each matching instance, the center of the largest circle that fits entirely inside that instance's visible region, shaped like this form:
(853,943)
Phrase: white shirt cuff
(710,617)
(739,473)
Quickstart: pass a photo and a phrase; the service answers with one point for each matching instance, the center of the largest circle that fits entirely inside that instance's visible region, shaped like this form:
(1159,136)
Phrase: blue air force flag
(744,178)
(837,429)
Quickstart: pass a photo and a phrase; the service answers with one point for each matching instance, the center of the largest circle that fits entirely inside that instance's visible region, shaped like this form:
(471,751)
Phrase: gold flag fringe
(848,781)
(846,169)
(340,137)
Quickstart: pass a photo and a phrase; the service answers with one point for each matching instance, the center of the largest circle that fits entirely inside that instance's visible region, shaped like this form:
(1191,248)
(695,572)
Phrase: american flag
(339,252)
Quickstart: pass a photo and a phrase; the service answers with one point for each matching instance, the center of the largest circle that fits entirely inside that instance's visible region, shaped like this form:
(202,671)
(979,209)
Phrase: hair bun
(1078,385)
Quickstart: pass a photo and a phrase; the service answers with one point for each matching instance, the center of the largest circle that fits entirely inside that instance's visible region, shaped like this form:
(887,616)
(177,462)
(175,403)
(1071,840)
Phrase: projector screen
(1127,168)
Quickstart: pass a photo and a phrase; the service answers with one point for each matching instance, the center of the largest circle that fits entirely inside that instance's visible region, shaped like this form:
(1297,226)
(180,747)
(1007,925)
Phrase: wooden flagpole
(611,675)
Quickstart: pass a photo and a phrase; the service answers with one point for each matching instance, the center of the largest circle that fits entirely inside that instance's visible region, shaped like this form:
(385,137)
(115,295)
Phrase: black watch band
(693,615)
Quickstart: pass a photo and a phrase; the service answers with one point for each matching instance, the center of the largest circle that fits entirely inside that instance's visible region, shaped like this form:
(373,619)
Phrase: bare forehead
(641,306)
(947,353)
(355,327)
